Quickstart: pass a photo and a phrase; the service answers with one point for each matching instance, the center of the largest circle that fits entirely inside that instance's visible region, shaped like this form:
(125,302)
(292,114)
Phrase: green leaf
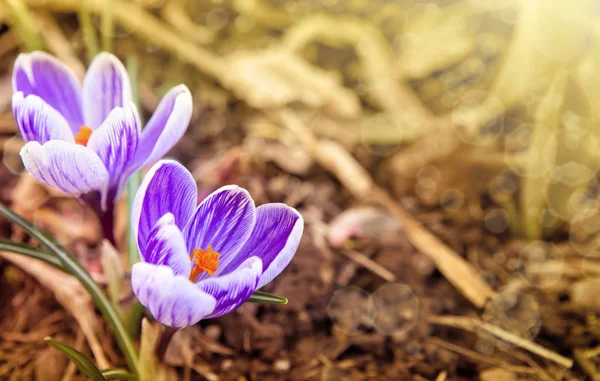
(133,184)
(266,298)
(85,365)
(117,374)
(135,180)
(30,251)
(72,266)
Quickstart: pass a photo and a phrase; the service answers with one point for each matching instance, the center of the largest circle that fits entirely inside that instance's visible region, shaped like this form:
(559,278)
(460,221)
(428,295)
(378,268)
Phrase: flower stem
(108,219)
(163,342)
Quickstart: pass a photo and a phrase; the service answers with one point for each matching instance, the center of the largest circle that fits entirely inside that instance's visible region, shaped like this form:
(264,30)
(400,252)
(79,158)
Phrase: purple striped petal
(172,300)
(232,290)
(166,246)
(274,240)
(167,188)
(72,168)
(39,122)
(167,125)
(41,74)
(116,142)
(105,86)
(224,220)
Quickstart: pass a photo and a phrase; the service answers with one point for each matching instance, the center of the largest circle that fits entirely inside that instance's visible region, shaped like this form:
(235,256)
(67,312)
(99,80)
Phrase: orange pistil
(203,260)
(83,135)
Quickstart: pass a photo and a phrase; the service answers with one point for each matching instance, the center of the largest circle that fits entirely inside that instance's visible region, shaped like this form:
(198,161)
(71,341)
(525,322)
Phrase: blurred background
(444,155)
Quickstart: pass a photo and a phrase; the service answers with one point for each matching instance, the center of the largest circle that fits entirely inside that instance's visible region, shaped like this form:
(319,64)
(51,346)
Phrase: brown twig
(473,325)
(357,180)
(479,357)
(370,265)
(586,364)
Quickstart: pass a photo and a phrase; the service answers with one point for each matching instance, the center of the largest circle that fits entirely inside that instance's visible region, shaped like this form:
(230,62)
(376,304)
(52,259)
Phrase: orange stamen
(83,135)
(203,260)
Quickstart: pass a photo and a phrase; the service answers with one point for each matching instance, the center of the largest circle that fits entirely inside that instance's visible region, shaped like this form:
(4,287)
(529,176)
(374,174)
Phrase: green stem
(163,342)
(71,265)
(132,186)
(31,252)
(136,179)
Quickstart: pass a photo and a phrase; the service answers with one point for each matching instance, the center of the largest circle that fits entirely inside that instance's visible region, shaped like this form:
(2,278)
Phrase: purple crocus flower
(86,140)
(205,261)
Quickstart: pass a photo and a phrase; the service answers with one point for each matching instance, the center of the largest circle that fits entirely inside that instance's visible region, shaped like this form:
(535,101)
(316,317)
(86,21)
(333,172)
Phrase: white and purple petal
(116,142)
(43,75)
(72,168)
(224,220)
(37,121)
(167,188)
(232,290)
(166,246)
(274,240)
(166,126)
(172,299)
(105,86)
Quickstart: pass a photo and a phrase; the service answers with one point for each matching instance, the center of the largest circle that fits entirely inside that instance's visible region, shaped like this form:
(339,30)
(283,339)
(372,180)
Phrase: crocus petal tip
(69,167)
(167,187)
(37,121)
(106,85)
(173,300)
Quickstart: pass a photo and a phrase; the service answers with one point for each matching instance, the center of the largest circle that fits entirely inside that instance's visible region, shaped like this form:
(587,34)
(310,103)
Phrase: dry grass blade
(357,180)
(592,352)
(435,38)
(442,376)
(473,325)
(479,357)
(263,12)
(144,25)
(586,365)
(70,294)
(174,13)
(370,265)
(273,78)
(377,66)
(150,368)
(458,271)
